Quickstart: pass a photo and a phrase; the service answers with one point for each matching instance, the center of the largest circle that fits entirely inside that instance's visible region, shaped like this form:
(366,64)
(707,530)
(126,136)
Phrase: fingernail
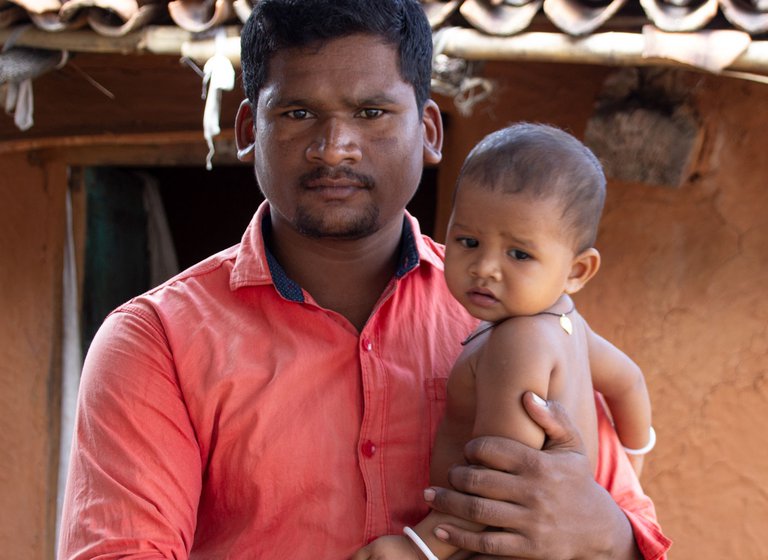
(441,534)
(429,494)
(538,400)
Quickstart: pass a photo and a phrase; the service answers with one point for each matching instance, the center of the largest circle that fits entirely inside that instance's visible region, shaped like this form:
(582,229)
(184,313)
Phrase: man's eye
(519,255)
(298,114)
(467,242)
(370,113)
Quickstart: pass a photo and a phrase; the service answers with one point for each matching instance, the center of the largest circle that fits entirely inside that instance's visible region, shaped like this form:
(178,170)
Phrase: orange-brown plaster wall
(681,290)
(31,227)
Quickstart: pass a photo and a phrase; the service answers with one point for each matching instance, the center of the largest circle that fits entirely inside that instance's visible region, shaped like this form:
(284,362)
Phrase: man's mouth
(342,181)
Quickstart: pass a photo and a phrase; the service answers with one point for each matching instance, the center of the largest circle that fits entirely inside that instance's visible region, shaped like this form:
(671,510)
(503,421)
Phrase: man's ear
(584,266)
(245,132)
(433,133)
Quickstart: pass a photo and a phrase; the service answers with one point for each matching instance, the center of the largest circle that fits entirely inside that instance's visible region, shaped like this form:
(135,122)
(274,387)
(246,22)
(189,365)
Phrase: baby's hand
(389,548)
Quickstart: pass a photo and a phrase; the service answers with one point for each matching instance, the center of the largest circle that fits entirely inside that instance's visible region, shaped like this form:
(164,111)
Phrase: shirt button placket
(369,446)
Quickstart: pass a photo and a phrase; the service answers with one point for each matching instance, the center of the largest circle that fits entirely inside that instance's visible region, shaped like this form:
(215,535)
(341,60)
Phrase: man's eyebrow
(277,100)
(381,99)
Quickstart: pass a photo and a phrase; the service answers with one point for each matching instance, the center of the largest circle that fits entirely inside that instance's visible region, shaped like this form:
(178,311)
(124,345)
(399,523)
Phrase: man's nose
(336,143)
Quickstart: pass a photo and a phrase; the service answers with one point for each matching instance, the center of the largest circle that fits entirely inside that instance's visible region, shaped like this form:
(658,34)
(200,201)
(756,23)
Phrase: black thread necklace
(565,323)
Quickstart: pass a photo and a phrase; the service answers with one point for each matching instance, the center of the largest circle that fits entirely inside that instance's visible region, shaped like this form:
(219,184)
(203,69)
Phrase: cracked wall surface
(681,290)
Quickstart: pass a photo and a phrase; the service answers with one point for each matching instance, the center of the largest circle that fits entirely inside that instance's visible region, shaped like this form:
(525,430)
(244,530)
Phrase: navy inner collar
(290,290)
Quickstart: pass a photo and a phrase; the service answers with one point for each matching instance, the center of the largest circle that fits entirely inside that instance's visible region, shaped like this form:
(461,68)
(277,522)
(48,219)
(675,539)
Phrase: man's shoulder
(431,250)
(209,269)
(209,276)
(437,247)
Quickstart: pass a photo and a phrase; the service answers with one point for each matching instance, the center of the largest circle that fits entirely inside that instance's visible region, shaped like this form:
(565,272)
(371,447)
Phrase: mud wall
(680,290)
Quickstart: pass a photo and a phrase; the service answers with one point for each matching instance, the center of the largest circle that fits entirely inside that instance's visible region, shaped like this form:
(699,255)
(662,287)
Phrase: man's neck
(346,276)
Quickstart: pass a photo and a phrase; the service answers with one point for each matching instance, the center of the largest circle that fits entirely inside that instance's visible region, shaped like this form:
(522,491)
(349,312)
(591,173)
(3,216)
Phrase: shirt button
(369,449)
(367,344)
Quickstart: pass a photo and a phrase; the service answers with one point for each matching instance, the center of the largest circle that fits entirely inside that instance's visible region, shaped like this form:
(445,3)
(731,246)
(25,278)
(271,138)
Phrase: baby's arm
(513,360)
(621,382)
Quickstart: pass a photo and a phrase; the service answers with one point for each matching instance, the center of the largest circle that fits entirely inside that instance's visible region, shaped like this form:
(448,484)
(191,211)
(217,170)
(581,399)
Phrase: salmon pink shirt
(225,414)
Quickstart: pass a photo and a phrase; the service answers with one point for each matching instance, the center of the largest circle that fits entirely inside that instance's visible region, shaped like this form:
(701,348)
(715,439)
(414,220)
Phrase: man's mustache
(336,173)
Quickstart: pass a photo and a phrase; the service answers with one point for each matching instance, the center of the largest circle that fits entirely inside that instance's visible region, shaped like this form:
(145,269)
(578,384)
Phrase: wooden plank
(32,198)
(150,95)
(172,148)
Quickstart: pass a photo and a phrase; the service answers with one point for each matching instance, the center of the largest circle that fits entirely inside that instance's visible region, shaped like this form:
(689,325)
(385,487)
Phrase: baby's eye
(519,255)
(467,242)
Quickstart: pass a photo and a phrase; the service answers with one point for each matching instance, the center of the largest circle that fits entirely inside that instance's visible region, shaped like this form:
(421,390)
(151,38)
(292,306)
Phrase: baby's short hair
(542,161)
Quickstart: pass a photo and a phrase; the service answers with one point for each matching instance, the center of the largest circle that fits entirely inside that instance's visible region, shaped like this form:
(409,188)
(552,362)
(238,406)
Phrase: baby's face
(506,254)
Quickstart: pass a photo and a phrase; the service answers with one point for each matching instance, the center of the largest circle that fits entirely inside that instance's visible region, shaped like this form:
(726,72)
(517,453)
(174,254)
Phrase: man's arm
(548,500)
(134,479)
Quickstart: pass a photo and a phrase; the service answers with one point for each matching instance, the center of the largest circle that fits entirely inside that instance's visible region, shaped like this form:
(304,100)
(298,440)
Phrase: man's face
(338,142)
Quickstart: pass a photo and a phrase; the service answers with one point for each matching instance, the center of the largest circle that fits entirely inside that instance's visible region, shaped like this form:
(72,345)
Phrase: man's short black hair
(281,24)
(542,161)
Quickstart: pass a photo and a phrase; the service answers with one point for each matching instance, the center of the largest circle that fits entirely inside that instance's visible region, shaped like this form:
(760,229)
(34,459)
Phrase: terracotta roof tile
(492,17)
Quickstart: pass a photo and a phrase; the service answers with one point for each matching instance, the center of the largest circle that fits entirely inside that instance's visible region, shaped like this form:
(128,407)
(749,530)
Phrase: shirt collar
(255,265)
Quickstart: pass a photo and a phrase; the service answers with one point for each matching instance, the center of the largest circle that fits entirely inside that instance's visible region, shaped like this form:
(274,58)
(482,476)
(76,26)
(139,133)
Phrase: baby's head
(543,163)
(526,211)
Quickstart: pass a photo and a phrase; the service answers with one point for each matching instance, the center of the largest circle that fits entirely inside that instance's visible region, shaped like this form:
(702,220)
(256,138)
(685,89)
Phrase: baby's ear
(584,266)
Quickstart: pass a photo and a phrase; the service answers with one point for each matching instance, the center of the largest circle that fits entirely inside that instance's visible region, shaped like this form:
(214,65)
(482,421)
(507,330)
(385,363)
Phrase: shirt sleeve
(615,474)
(135,469)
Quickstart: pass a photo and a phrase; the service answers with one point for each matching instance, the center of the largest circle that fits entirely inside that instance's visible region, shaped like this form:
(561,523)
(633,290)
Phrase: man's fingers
(551,416)
(496,544)
(497,453)
(487,482)
(474,508)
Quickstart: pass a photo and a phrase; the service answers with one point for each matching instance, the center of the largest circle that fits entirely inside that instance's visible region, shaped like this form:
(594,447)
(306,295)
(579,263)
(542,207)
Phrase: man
(279,399)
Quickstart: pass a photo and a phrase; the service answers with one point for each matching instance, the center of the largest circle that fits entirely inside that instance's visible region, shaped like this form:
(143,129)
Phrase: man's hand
(546,502)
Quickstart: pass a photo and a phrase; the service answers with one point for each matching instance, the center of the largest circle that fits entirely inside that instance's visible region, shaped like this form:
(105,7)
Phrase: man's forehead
(357,67)
(358,46)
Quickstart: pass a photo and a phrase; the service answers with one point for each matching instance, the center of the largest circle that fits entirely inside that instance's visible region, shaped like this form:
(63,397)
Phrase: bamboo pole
(159,39)
(610,48)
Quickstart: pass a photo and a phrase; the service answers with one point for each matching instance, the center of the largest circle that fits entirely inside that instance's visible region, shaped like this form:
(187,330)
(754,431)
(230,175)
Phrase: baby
(520,242)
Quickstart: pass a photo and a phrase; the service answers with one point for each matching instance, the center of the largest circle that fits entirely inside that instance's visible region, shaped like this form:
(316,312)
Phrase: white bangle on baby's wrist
(643,450)
(414,536)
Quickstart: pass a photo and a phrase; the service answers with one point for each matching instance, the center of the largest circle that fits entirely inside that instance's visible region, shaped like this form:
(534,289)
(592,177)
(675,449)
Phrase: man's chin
(342,227)
(340,233)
